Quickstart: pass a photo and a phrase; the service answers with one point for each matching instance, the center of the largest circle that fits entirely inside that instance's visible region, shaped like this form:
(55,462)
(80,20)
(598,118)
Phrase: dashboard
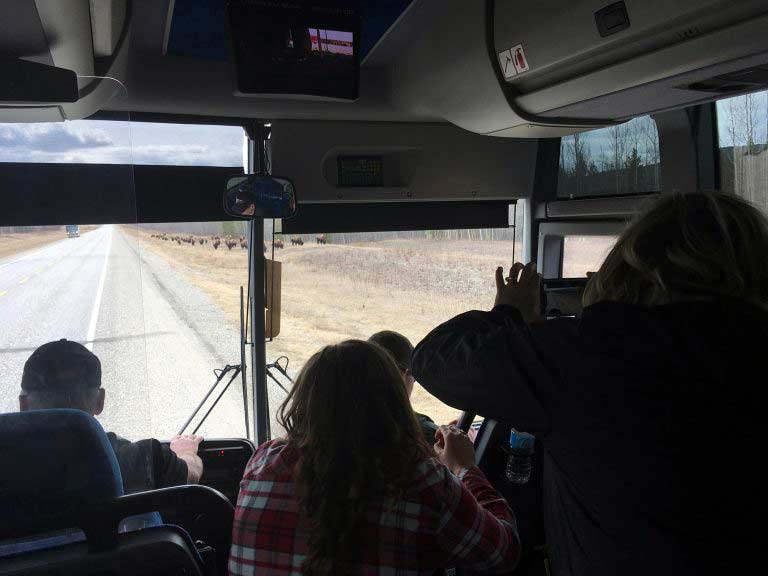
(224,462)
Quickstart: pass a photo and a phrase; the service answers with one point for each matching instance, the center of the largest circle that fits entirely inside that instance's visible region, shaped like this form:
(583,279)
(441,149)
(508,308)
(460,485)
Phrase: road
(159,338)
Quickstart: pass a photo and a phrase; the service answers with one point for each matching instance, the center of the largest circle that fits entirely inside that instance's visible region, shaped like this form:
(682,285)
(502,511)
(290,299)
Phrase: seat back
(155,551)
(158,550)
(62,504)
(54,460)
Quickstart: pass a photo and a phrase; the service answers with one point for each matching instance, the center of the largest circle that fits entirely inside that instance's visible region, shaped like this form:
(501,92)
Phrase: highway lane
(45,295)
(158,336)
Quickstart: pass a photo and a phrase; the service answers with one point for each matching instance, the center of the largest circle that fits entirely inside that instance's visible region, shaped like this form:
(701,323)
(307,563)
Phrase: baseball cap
(62,364)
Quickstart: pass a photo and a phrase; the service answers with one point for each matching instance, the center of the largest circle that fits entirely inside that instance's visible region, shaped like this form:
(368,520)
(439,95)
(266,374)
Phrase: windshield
(337,286)
(157,303)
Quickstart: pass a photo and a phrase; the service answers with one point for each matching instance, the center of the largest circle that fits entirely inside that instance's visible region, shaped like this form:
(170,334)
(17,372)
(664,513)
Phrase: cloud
(187,155)
(52,137)
(104,142)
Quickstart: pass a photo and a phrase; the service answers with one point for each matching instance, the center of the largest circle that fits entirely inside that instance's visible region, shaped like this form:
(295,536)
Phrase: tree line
(620,159)
(743,134)
(26,229)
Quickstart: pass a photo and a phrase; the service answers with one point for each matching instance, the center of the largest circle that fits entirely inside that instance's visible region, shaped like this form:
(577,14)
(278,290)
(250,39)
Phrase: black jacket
(147,464)
(648,422)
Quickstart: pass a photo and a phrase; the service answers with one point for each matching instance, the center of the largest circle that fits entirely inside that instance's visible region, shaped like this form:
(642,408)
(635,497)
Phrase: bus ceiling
(489,67)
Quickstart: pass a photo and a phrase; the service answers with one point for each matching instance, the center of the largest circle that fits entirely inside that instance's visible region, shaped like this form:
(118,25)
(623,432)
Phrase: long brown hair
(688,246)
(357,440)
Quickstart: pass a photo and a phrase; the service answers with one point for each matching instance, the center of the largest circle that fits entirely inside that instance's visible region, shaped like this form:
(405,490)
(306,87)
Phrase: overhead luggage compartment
(537,69)
(616,60)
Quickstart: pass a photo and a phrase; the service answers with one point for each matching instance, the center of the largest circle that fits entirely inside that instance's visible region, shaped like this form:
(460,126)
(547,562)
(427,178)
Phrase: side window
(742,123)
(582,254)
(622,159)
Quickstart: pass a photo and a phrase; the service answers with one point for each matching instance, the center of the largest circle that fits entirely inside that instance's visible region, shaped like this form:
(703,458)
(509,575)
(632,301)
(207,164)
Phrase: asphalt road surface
(159,337)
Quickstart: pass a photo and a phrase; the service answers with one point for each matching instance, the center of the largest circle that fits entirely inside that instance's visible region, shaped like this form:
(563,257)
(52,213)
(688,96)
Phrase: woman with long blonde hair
(353,489)
(646,409)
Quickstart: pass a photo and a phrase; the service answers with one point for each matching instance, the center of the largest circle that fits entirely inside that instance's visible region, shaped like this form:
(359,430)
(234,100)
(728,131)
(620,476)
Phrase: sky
(122,142)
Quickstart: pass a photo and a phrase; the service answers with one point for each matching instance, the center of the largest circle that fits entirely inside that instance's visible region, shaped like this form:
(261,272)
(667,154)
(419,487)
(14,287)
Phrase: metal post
(243,363)
(258,299)
(259,348)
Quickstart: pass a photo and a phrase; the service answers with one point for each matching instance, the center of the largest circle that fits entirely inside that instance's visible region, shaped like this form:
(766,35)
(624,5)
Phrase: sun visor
(351,162)
(398,217)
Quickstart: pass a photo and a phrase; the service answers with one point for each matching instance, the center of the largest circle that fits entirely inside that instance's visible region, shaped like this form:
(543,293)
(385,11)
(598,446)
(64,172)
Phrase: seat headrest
(52,461)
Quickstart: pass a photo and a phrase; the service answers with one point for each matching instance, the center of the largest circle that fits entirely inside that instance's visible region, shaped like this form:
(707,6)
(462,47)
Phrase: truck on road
(73,231)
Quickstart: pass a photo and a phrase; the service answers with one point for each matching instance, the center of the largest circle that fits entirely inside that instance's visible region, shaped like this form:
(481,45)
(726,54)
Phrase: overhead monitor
(300,47)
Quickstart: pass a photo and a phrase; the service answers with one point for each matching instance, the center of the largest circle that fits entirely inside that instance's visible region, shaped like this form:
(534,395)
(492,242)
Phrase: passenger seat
(61,502)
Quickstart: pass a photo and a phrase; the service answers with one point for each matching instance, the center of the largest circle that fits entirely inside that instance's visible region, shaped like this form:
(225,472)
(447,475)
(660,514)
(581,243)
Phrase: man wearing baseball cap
(65,374)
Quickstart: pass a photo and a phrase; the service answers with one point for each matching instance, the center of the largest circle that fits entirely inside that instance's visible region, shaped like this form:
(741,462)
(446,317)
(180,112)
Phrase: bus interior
(426,143)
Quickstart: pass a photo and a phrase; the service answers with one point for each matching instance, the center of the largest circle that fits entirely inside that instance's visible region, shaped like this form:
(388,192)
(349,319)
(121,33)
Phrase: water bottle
(520,457)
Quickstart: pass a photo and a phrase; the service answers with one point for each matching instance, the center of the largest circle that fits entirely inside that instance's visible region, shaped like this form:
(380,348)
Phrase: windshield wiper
(235,370)
(220,374)
(282,370)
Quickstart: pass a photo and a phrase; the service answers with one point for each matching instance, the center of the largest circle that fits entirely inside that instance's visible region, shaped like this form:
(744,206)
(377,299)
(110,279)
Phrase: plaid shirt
(442,521)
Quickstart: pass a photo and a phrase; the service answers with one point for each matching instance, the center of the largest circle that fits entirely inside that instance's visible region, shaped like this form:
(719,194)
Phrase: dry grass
(582,254)
(335,292)
(11,244)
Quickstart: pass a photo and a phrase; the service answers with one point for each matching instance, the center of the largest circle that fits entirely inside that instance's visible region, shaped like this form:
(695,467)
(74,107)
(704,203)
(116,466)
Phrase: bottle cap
(521,441)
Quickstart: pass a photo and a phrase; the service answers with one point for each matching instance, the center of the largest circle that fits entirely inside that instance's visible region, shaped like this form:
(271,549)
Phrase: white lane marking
(99,292)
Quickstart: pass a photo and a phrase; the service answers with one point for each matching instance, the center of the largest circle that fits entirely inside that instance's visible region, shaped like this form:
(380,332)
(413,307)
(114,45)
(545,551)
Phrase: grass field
(334,292)
(11,244)
(582,254)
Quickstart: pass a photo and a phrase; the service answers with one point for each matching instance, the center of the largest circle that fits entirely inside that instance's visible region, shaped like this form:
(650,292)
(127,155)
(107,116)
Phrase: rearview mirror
(260,196)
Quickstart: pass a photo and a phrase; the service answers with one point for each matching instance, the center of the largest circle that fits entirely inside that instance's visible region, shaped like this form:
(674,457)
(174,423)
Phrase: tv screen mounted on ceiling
(295,47)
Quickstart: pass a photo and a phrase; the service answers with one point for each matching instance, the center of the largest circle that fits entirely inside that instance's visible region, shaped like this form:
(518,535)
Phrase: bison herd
(299,241)
(215,241)
(231,241)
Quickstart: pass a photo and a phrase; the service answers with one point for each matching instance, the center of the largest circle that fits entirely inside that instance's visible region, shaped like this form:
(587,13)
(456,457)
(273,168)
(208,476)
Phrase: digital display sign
(361,171)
